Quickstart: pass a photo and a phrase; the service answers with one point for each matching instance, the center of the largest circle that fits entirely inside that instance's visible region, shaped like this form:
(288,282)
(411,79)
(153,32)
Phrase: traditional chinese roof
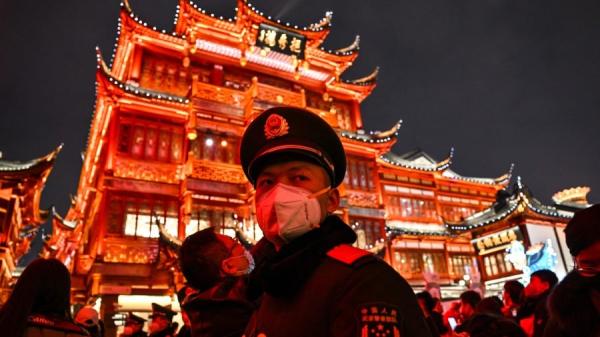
(27,180)
(373,136)
(197,31)
(368,80)
(518,201)
(61,230)
(316,32)
(575,197)
(501,180)
(395,228)
(417,160)
(352,48)
(32,167)
(106,79)
(189,15)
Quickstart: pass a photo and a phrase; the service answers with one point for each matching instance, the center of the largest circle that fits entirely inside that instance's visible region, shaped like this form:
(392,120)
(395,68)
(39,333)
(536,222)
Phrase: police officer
(316,283)
(162,321)
(133,326)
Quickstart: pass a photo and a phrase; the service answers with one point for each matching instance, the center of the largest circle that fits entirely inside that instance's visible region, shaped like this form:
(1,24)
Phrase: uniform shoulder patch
(378,320)
(41,321)
(347,254)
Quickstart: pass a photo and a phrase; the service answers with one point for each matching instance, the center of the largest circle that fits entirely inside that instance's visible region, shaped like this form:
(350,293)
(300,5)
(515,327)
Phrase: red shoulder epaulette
(347,254)
(54,324)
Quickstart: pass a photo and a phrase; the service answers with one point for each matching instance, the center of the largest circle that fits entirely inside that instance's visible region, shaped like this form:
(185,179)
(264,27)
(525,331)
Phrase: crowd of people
(304,278)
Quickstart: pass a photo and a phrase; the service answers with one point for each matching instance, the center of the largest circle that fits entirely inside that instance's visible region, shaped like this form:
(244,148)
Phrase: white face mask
(238,265)
(286,212)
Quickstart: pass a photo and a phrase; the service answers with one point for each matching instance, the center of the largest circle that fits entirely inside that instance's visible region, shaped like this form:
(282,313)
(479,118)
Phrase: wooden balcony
(130,250)
(215,171)
(209,97)
(267,95)
(146,170)
(362,198)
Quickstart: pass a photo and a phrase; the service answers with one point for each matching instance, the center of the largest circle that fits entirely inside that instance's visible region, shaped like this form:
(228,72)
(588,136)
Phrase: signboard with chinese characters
(281,40)
(497,241)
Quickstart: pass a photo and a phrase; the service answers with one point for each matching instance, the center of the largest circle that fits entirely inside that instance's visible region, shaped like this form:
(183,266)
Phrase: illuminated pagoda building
(21,185)
(518,234)
(161,158)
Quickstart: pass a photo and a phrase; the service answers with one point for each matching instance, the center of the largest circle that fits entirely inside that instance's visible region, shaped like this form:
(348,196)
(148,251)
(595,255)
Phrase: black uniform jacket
(139,334)
(221,311)
(312,289)
(42,326)
(168,332)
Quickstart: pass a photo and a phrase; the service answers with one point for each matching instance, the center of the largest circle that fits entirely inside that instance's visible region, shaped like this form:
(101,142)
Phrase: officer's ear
(333,200)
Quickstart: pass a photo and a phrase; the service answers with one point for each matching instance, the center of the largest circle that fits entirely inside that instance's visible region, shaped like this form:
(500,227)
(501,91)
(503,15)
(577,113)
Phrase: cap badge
(276,126)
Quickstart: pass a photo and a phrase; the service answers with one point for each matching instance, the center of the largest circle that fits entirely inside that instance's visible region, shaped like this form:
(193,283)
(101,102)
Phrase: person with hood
(39,305)
(87,318)
(574,305)
(216,300)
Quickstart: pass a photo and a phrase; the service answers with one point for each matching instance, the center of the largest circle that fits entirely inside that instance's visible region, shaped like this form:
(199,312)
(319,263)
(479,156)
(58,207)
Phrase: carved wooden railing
(145,170)
(276,96)
(130,250)
(362,199)
(215,171)
(230,101)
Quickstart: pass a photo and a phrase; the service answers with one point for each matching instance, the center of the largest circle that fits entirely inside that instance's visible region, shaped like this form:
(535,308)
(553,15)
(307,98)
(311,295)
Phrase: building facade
(161,158)
(21,186)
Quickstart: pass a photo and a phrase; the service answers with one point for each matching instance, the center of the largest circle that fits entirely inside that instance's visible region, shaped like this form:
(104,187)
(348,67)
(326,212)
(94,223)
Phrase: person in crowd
(485,324)
(216,300)
(437,306)
(488,321)
(533,313)
(433,318)
(317,283)
(186,329)
(468,302)
(574,305)
(161,324)
(490,305)
(87,318)
(134,326)
(512,296)
(39,305)
(452,316)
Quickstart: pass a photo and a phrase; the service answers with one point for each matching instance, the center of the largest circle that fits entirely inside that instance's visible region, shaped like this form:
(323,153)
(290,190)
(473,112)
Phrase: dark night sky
(501,81)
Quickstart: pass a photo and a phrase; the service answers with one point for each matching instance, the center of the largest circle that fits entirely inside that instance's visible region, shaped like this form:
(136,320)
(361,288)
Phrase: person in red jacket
(316,283)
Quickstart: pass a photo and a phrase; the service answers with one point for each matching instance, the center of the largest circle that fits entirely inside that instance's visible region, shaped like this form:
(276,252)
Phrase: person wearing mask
(134,326)
(161,324)
(216,268)
(87,318)
(317,283)
(574,305)
(512,295)
(39,304)
(533,313)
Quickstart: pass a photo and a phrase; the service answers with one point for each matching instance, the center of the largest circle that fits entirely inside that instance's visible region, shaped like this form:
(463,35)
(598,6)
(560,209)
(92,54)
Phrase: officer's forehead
(291,166)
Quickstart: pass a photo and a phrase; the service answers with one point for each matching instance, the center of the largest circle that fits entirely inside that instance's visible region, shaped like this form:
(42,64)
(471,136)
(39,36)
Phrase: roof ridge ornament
(354,46)
(366,80)
(325,21)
